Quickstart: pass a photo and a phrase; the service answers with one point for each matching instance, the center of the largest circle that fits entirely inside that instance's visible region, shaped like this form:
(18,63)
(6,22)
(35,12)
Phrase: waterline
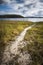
(23,19)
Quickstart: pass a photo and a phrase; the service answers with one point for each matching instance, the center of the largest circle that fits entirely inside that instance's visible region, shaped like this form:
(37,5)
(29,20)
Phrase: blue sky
(22,7)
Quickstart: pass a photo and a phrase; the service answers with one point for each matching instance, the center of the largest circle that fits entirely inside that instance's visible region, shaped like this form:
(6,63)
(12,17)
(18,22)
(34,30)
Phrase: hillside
(11,16)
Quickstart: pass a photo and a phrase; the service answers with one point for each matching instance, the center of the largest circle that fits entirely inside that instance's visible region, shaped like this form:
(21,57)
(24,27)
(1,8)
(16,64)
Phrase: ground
(9,30)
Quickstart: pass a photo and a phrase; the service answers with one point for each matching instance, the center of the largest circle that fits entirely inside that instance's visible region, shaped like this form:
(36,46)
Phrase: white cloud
(7,1)
(26,8)
(2,12)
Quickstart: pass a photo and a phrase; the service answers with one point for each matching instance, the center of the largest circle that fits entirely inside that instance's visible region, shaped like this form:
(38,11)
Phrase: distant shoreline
(23,19)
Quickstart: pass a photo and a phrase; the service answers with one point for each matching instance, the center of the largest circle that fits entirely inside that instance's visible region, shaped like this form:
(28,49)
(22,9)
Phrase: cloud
(1,1)
(24,7)
(41,1)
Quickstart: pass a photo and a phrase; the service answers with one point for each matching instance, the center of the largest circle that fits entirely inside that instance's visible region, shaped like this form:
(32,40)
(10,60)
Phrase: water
(12,50)
(23,19)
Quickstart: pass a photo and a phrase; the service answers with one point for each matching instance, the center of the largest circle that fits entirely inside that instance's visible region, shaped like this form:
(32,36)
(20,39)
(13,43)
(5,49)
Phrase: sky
(25,8)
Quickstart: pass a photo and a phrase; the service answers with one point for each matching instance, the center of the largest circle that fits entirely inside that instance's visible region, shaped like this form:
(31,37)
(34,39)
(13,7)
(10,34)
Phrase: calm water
(23,19)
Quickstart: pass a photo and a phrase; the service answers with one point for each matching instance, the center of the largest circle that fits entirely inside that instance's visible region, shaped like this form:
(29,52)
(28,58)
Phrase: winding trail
(20,38)
(12,49)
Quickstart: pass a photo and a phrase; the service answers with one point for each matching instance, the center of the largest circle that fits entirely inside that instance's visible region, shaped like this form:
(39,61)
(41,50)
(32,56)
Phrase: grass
(35,33)
(34,37)
(10,29)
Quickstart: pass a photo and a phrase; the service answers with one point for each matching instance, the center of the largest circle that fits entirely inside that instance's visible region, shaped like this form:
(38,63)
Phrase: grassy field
(9,30)
(34,38)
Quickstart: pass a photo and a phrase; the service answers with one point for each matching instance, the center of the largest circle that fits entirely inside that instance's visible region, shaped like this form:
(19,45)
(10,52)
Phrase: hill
(11,16)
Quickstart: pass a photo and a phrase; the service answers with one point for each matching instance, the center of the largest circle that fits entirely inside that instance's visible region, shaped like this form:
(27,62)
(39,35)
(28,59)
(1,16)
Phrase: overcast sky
(22,7)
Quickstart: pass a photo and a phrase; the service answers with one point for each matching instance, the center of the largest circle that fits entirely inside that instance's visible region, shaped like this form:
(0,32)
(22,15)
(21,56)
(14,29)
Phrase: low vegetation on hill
(11,16)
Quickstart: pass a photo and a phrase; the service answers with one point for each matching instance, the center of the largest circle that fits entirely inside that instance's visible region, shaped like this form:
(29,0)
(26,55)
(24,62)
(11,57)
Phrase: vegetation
(34,38)
(10,29)
(11,16)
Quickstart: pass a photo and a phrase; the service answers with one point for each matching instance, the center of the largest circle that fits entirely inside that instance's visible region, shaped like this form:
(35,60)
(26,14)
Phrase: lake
(23,19)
